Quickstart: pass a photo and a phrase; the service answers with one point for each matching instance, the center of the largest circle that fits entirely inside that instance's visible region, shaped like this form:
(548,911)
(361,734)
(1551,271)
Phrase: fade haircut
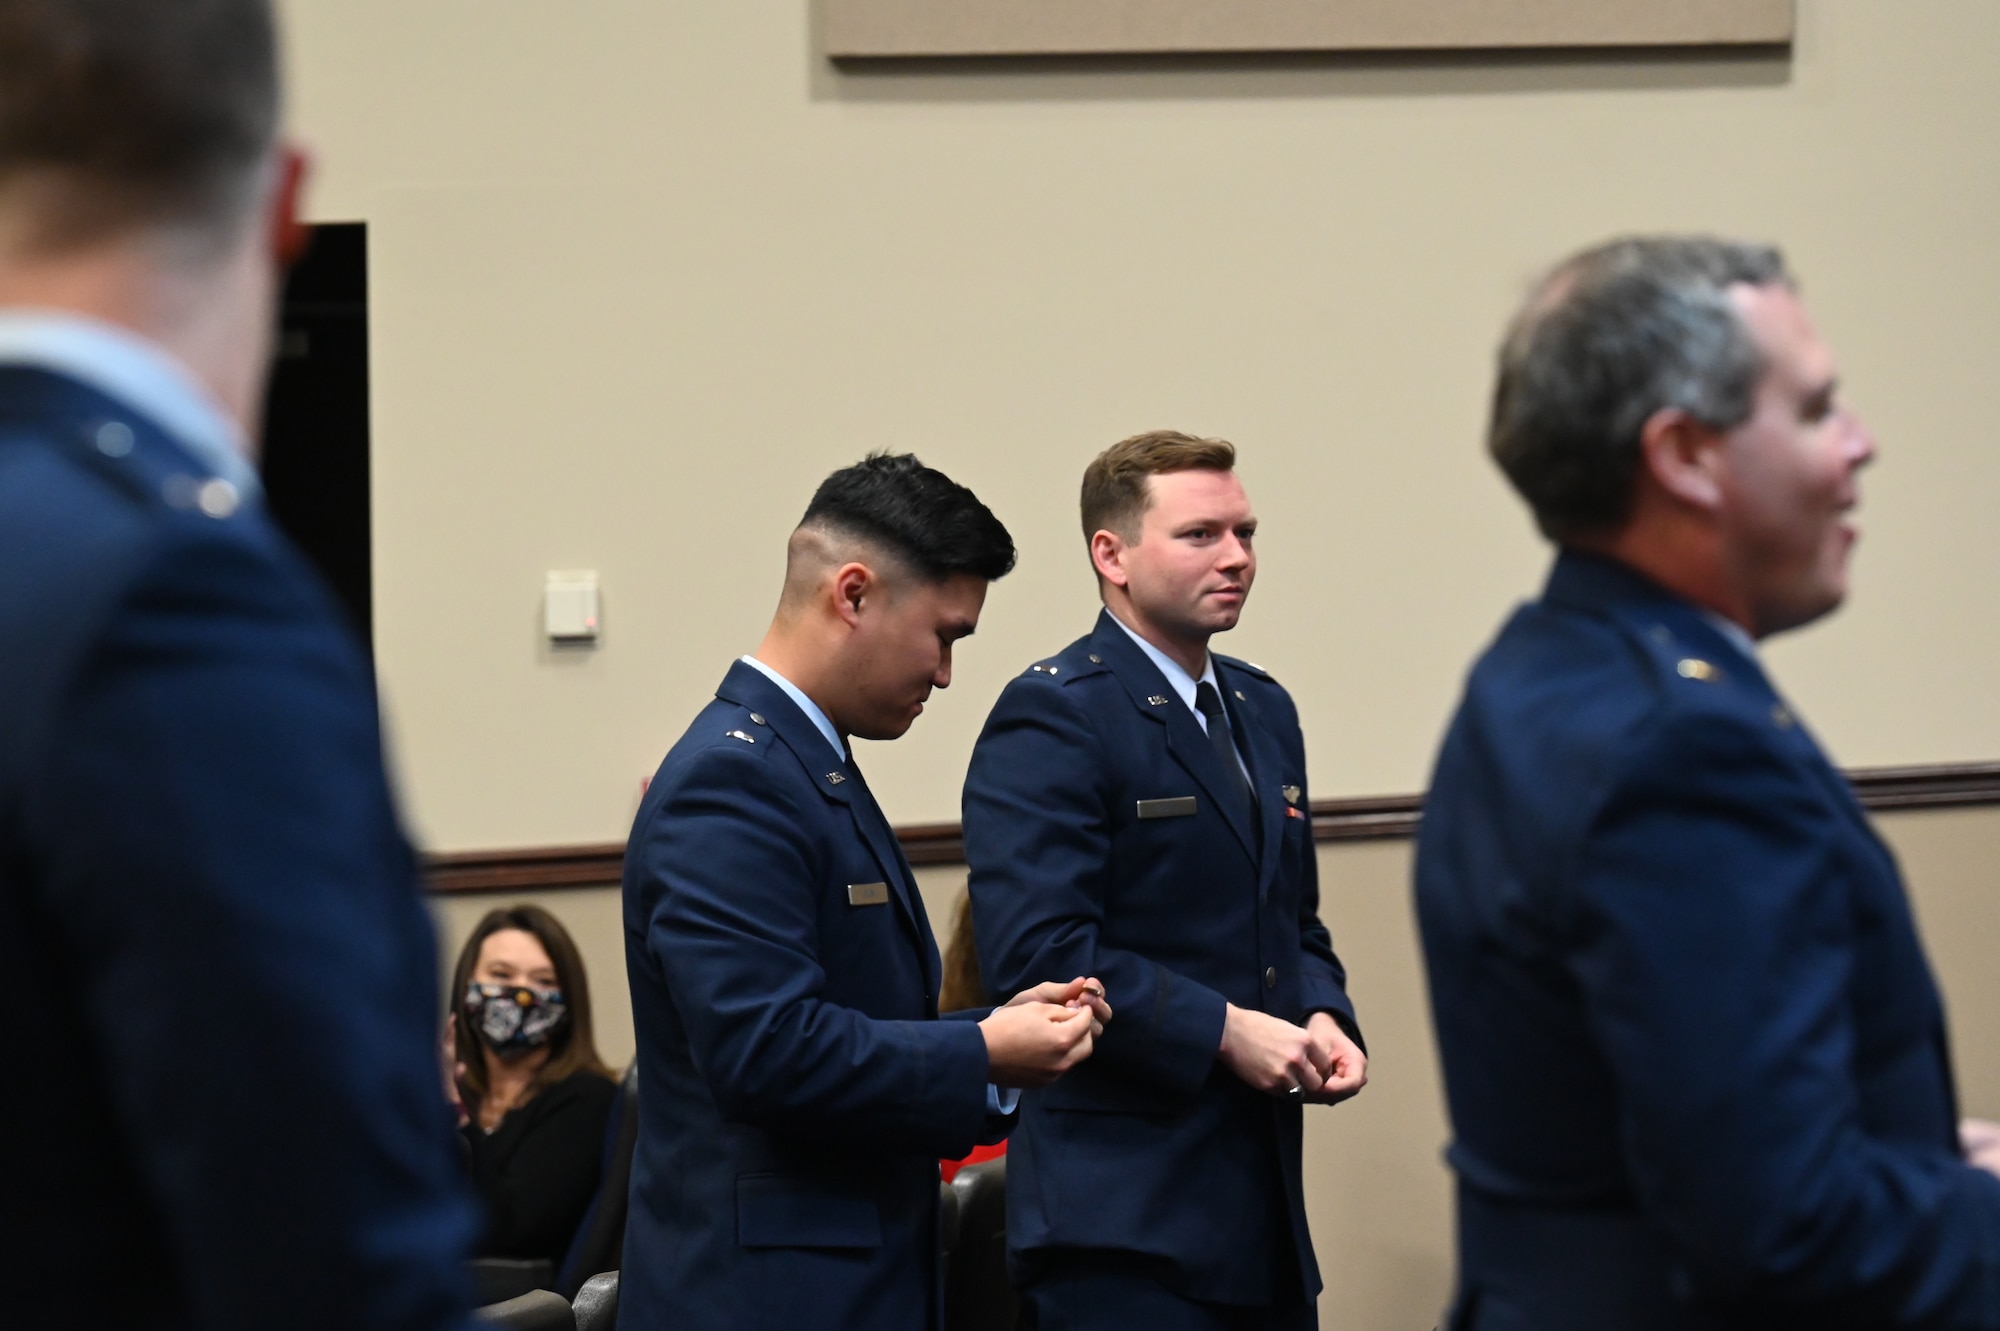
(137,112)
(916,514)
(1607,339)
(1116,485)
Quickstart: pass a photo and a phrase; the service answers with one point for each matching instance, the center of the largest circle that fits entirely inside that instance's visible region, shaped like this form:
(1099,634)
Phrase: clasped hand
(1043,1032)
(1316,1061)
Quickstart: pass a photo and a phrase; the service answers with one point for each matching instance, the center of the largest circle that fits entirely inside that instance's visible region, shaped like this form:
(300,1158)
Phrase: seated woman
(963,988)
(534,1097)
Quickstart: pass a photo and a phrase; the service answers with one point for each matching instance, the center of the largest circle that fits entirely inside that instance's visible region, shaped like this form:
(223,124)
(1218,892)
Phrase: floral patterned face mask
(513,1018)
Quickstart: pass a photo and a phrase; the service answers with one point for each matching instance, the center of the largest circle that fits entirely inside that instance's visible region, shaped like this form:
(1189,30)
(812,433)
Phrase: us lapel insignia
(834,778)
(1157,701)
(1291,794)
(1694,668)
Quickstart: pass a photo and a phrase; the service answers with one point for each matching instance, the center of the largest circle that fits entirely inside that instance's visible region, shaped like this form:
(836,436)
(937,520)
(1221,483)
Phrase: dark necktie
(1209,703)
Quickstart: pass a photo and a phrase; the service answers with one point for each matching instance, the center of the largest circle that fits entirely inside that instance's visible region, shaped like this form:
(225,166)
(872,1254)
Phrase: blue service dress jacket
(222,996)
(1695,1059)
(797,1087)
(1105,838)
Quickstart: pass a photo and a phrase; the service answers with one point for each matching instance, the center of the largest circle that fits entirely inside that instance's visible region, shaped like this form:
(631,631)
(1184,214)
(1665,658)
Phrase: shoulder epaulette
(1248,667)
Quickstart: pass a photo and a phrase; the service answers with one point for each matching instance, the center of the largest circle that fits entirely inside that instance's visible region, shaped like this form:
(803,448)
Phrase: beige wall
(643,272)
(1376,1188)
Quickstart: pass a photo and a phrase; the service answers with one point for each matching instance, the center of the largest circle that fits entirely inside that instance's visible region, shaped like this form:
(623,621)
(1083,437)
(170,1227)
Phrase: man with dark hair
(231,1116)
(797,1087)
(1694,1056)
(1137,808)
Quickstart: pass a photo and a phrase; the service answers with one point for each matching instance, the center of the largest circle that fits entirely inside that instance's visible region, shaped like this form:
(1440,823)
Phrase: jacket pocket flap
(788,1211)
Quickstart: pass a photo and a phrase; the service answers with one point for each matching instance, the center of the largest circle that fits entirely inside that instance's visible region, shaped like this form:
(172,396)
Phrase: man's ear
(286,231)
(1107,555)
(853,584)
(1683,457)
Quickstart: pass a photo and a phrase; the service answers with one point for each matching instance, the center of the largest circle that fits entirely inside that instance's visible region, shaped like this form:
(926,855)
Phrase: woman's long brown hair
(574,1048)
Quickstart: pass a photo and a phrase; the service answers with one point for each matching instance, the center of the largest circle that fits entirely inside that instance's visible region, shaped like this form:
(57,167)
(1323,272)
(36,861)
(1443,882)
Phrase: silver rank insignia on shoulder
(1043,669)
(743,735)
(1695,668)
(1096,659)
(1291,794)
(1157,701)
(834,778)
(215,497)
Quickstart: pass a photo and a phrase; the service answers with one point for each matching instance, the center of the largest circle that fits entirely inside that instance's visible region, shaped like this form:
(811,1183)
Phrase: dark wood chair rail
(1373,818)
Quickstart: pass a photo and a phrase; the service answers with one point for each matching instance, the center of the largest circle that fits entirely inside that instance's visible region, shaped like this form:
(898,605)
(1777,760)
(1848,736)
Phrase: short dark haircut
(573,1048)
(919,515)
(1116,483)
(1607,339)
(145,112)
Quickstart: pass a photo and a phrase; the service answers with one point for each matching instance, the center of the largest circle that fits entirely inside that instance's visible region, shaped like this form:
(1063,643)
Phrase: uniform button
(217,498)
(1270,977)
(114,439)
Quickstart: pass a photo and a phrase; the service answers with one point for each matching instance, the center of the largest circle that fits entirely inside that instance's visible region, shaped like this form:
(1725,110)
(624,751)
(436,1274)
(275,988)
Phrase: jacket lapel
(839,781)
(1187,743)
(1266,763)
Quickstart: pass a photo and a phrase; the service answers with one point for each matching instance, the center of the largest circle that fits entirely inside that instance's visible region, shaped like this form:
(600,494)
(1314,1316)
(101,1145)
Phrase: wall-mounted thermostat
(570,609)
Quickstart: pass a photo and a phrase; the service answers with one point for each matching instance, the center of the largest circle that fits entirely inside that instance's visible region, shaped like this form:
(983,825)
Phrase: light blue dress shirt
(807,705)
(121,364)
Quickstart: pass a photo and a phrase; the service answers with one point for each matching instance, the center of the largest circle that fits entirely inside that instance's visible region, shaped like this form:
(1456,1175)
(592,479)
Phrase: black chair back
(596,1305)
(599,1244)
(978,1295)
(537,1310)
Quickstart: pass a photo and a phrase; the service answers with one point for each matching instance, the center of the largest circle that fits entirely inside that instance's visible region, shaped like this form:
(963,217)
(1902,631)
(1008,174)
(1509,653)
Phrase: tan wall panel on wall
(642,274)
(867,28)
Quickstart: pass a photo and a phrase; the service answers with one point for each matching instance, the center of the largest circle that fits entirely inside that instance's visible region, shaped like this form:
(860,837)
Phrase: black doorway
(315,461)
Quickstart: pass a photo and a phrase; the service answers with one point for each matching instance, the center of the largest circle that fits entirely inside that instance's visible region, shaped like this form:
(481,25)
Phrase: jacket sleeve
(1714,938)
(224,866)
(731,893)
(1038,844)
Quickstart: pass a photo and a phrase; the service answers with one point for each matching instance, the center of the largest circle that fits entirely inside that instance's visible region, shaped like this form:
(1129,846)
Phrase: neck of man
(1682,553)
(807,654)
(212,312)
(1189,653)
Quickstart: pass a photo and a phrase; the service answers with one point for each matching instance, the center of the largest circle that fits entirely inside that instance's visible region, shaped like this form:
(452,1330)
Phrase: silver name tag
(1183,807)
(867,894)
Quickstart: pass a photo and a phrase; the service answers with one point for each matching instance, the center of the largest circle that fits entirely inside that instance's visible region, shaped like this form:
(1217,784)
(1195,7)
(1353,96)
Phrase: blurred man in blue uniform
(1695,1058)
(227,1109)
(1137,808)
(797,1087)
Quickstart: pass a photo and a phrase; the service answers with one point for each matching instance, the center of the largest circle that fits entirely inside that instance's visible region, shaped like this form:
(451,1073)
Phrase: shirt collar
(123,365)
(806,705)
(1178,678)
(1733,631)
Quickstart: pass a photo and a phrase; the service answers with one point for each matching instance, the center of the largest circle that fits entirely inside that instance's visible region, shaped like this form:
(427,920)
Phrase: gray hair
(1607,339)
